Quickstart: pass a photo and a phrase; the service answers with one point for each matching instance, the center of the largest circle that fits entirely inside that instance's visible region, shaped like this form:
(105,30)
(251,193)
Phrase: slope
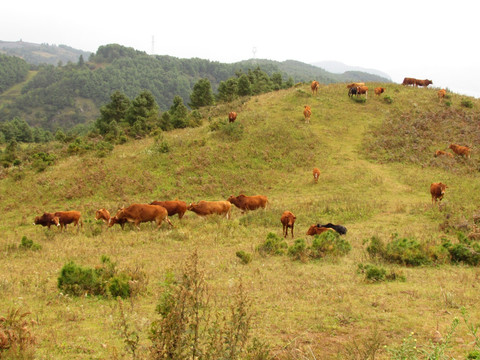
(323,306)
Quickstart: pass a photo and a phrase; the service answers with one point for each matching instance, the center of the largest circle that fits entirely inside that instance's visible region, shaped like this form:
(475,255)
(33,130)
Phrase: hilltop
(65,96)
(376,162)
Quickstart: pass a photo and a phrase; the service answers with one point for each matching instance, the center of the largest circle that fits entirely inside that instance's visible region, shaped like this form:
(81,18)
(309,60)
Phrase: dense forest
(66,95)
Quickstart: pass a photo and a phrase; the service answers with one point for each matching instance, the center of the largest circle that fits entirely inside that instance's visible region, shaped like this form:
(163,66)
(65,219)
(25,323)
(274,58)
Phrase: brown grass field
(374,180)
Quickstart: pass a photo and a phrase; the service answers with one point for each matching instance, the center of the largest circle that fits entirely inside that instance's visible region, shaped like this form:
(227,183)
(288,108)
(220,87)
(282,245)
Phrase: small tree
(244,86)
(178,112)
(201,95)
(227,90)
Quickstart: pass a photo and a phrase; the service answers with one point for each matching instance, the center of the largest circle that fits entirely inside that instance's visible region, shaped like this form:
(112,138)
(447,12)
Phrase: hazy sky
(425,39)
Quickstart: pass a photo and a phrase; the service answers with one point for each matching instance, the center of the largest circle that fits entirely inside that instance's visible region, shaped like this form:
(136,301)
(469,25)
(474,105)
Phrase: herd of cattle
(158,211)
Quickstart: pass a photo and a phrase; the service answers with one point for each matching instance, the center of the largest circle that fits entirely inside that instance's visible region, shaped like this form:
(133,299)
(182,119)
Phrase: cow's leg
(292,231)
(168,221)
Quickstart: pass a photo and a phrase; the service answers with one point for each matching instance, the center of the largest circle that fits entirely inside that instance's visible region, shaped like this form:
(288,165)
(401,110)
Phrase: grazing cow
(138,213)
(245,203)
(355,84)
(362,90)
(443,153)
(68,217)
(352,91)
(441,93)
(47,219)
(460,150)
(317,230)
(422,82)
(232,116)
(307,112)
(342,230)
(379,90)
(288,221)
(316,175)
(173,207)
(204,208)
(408,81)
(437,190)
(315,85)
(102,214)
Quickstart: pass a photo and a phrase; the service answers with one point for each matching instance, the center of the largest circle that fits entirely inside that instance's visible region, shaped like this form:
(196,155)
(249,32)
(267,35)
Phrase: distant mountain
(338,67)
(37,54)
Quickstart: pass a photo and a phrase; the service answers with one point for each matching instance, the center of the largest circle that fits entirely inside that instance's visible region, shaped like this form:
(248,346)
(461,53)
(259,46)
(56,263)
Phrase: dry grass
(313,310)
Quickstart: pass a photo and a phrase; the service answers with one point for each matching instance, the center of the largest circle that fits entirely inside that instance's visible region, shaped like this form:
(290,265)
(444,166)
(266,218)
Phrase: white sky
(425,39)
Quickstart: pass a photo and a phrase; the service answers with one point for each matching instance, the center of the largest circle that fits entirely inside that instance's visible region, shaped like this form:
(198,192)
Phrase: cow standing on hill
(138,213)
(316,175)
(307,112)
(423,82)
(47,219)
(408,81)
(173,207)
(288,221)
(379,90)
(69,217)
(437,190)
(246,203)
(205,208)
(460,150)
(232,116)
(315,85)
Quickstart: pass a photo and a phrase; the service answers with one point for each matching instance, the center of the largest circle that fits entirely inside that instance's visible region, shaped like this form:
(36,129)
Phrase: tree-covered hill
(37,54)
(63,96)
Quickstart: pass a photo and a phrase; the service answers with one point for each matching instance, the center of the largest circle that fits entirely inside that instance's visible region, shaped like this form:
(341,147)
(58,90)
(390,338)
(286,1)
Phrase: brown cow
(232,116)
(422,82)
(204,208)
(379,90)
(138,213)
(68,217)
(443,153)
(245,203)
(288,221)
(316,175)
(460,150)
(173,207)
(307,112)
(442,93)
(362,90)
(315,85)
(408,81)
(102,214)
(47,219)
(355,84)
(437,190)
(316,230)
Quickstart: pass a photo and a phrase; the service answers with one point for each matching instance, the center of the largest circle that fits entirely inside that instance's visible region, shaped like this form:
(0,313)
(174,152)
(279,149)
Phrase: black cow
(352,91)
(342,230)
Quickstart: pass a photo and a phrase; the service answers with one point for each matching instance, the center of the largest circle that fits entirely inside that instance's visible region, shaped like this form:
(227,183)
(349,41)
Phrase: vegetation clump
(244,257)
(273,245)
(375,273)
(104,280)
(28,244)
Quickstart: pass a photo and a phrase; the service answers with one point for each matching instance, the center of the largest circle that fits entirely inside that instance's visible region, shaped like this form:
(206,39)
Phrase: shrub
(244,257)
(273,245)
(387,99)
(232,130)
(406,251)
(376,247)
(359,100)
(374,273)
(329,243)
(298,251)
(187,327)
(463,253)
(467,103)
(28,244)
(104,280)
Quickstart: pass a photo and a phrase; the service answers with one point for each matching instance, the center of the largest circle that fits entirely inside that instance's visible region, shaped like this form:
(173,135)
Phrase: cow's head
(311,230)
(191,206)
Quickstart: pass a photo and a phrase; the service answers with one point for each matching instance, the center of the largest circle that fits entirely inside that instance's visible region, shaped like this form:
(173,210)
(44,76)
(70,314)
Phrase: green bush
(374,273)
(467,103)
(273,245)
(244,257)
(387,99)
(464,253)
(298,251)
(28,244)
(329,243)
(406,251)
(376,248)
(104,280)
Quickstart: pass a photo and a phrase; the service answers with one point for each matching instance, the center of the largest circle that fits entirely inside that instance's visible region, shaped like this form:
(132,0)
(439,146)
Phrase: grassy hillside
(317,309)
